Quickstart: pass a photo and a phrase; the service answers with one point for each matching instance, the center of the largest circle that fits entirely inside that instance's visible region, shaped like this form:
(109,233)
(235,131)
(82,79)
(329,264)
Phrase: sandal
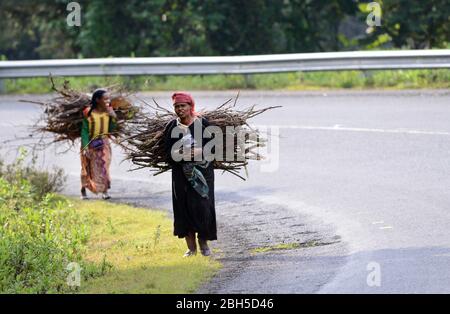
(190,253)
(206,251)
(83,194)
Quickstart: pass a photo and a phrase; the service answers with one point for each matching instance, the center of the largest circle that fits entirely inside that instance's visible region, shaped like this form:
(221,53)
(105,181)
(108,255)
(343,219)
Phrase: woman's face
(183,110)
(104,101)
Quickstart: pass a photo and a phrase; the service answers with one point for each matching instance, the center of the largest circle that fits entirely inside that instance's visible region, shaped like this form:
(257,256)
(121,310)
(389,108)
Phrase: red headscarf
(185,98)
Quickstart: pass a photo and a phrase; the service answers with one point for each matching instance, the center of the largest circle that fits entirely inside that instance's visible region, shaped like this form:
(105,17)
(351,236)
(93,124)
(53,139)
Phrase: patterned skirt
(95,168)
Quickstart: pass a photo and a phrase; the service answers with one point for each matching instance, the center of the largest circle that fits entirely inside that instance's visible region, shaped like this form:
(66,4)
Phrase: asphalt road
(367,173)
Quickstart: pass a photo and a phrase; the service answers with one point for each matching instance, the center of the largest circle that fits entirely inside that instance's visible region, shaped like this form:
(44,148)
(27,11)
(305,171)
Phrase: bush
(41,181)
(38,240)
(41,233)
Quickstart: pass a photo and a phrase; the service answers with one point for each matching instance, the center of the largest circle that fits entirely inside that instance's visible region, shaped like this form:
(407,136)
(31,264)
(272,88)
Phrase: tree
(414,24)
(35,29)
(144,28)
(265,26)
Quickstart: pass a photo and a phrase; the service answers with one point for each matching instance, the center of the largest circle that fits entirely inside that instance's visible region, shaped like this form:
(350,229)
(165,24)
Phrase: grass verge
(289,246)
(140,250)
(386,79)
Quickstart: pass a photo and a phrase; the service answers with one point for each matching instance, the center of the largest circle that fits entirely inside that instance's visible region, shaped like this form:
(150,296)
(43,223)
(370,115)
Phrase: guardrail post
(2,86)
(248,81)
(368,75)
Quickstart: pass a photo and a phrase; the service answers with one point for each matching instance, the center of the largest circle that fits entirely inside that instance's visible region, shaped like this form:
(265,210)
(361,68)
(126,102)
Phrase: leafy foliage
(40,233)
(38,29)
(144,28)
(414,24)
(41,182)
(38,240)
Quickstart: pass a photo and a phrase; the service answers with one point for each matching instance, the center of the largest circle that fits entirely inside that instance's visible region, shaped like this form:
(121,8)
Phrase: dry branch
(144,140)
(63,114)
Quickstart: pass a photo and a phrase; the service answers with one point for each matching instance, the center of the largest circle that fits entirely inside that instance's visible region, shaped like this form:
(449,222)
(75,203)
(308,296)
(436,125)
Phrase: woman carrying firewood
(99,120)
(192,176)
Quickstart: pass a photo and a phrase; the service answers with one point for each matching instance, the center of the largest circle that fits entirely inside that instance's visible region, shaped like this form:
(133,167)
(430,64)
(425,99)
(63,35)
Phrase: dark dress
(191,211)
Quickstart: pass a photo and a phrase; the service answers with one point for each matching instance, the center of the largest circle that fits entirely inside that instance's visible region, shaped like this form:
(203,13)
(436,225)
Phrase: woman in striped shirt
(99,120)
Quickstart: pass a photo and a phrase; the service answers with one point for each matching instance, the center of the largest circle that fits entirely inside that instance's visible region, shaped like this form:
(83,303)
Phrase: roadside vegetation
(388,79)
(53,244)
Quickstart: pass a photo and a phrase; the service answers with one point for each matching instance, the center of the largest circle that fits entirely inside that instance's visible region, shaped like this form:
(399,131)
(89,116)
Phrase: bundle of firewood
(63,114)
(144,140)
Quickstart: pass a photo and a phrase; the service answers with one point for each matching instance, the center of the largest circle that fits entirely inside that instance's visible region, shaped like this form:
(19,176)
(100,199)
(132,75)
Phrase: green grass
(386,79)
(287,246)
(143,254)
(120,249)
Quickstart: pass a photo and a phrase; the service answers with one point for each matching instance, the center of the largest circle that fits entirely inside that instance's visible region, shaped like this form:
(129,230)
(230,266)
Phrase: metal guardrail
(325,61)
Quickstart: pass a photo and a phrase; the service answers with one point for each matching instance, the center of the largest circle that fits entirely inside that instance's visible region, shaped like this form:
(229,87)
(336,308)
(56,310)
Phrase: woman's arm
(112,120)
(111,112)
(112,124)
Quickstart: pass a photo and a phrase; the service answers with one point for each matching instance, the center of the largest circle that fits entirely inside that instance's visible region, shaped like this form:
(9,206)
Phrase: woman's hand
(111,112)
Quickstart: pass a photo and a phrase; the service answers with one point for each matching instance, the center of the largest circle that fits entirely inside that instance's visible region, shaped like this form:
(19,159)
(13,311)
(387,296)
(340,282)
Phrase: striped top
(96,125)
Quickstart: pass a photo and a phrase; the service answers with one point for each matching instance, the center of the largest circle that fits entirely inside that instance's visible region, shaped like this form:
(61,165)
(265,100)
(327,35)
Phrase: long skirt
(95,168)
(193,213)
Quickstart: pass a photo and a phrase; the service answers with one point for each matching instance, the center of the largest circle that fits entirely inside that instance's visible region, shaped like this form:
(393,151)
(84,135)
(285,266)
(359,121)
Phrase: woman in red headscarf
(192,176)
